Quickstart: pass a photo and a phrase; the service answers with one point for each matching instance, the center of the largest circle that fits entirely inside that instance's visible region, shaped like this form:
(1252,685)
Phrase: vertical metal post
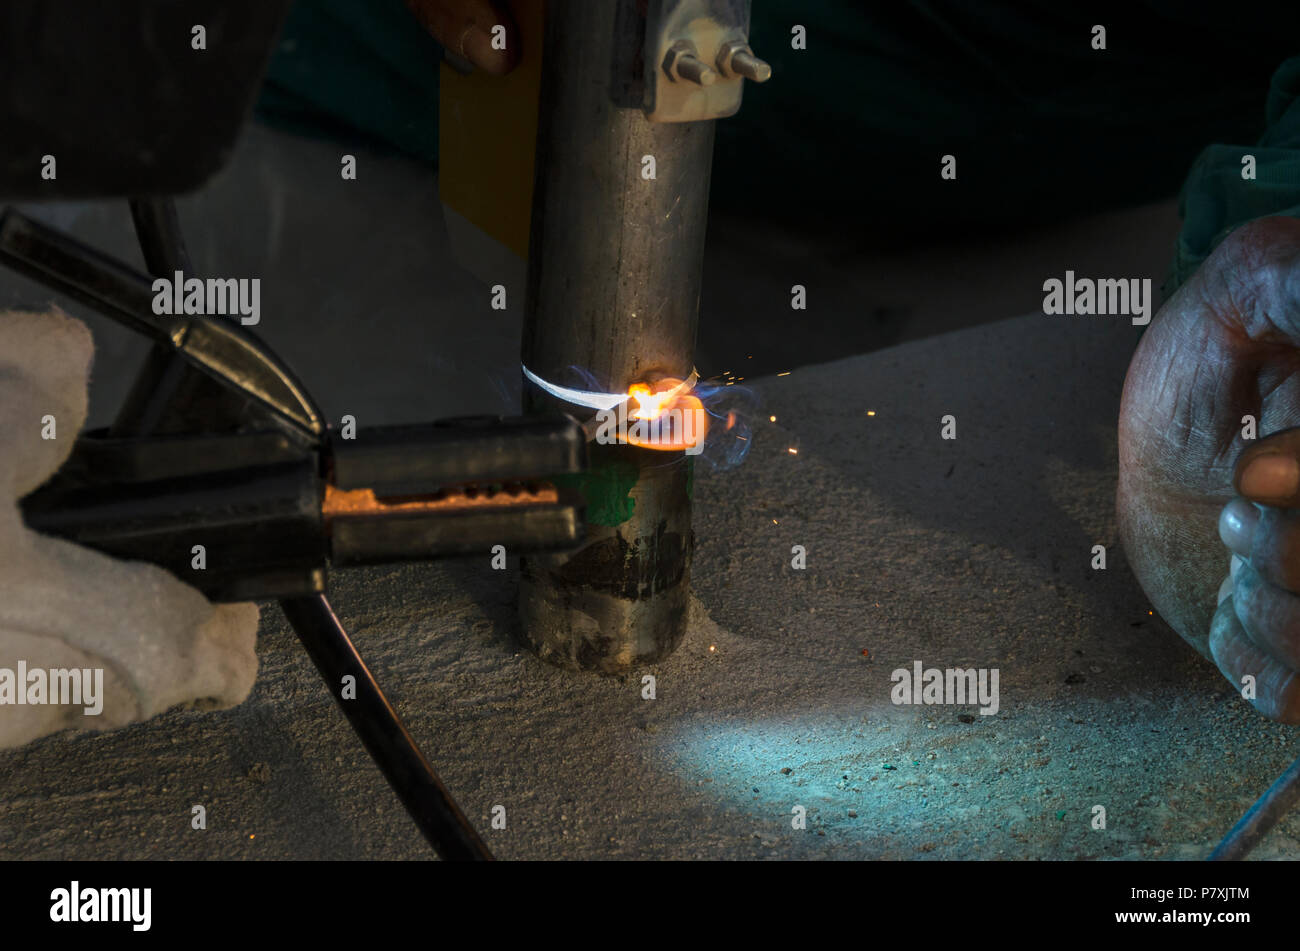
(614,273)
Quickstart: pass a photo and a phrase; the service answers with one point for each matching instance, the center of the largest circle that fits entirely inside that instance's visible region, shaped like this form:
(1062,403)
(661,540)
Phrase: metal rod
(158,229)
(382,732)
(615,263)
(1281,797)
(164,371)
(62,262)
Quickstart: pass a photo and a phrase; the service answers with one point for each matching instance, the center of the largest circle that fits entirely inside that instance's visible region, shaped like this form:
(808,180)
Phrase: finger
(1277,689)
(466,28)
(1268,472)
(1275,548)
(1237,523)
(1269,616)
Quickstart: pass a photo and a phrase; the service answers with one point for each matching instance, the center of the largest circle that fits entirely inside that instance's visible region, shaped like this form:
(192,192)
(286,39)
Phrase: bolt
(735,58)
(681,63)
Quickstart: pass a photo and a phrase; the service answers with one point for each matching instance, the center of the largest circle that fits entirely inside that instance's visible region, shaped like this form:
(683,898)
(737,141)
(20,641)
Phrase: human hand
(465,28)
(1226,346)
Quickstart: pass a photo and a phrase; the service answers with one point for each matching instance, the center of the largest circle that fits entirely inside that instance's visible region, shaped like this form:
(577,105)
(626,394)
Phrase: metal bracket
(697,58)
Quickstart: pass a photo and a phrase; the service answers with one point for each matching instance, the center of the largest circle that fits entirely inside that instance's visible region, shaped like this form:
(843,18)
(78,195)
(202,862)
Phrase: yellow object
(487,131)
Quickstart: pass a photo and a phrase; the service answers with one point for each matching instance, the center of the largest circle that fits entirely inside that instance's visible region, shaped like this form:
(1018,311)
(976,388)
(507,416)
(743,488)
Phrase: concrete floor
(973,552)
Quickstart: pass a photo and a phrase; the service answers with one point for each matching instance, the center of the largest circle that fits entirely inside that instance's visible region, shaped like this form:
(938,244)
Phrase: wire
(1255,824)
(382,731)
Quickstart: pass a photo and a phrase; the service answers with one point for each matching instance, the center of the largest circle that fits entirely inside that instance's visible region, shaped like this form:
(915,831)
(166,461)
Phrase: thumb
(1268,472)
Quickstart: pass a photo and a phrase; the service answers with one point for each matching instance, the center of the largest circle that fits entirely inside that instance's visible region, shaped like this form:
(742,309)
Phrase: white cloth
(159,642)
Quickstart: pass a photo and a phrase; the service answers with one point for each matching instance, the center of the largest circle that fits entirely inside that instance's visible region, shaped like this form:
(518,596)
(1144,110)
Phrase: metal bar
(158,229)
(382,732)
(1280,798)
(414,459)
(614,275)
(164,373)
(62,262)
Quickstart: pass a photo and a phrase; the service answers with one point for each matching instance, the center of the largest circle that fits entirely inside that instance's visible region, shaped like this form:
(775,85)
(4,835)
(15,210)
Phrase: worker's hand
(145,640)
(1226,346)
(1256,629)
(465,27)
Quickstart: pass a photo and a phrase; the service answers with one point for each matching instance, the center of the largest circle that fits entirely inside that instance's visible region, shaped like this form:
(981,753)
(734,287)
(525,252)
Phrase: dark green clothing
(1216,198)
(356,69)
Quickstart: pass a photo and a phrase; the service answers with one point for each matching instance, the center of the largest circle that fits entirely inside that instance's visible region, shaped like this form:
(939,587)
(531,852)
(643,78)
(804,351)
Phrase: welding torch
(220,449)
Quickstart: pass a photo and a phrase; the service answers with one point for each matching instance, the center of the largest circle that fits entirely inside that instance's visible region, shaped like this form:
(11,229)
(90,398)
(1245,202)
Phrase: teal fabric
(1216,198)
(356,69)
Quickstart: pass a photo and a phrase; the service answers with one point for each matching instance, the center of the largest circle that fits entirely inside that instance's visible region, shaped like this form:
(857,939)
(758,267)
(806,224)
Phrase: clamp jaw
(237,459)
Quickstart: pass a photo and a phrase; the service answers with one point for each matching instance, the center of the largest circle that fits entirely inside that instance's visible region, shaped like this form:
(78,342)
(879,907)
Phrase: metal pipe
(614,273)
(1280,798)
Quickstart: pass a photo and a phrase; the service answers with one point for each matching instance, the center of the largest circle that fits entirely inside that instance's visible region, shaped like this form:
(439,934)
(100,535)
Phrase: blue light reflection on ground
(836,766)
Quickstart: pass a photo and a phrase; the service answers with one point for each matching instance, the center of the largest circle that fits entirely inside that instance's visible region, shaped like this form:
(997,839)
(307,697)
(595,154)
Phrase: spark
(772,419)
(786,373)
(793,451)
(871,412)
(712,648)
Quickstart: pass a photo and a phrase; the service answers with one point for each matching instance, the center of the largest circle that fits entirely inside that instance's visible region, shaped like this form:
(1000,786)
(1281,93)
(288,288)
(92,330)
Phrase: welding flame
(678,419)
(649,402)
(657,410)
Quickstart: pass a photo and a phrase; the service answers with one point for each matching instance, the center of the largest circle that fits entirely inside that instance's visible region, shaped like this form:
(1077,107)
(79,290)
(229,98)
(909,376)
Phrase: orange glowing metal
(341,503)
(668,402)
(649,403)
